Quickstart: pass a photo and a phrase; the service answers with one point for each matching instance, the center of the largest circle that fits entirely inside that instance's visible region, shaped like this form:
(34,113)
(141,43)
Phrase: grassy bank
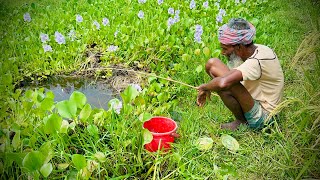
(69,139)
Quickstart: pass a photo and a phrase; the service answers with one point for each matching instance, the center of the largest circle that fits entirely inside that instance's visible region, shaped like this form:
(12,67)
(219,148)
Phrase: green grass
(287,150)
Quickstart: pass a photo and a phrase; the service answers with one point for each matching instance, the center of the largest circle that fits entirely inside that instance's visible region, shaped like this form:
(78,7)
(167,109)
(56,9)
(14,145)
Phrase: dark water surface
(98,93)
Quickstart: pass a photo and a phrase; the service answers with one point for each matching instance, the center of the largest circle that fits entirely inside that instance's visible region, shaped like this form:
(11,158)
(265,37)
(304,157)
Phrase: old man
(253,88)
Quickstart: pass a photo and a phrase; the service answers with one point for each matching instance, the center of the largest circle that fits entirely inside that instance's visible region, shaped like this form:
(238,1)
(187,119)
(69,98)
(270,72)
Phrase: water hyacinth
(141,14)
(105,22)
(59,38)
(72,35)
(44,37)
(171,11)
(160,2)
(142,1)
(220,15)
(170,22)
(47,48)
(137,87)
(192,4)
(237,1)
(79,18)
(112,48)
(198,33)
(244,1)
(95,23)
(116,105)
(217,4)
(205,4)
(27,17)
(222,12)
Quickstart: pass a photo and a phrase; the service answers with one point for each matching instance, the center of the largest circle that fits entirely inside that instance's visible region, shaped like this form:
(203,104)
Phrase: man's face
(234,60)
(227,50)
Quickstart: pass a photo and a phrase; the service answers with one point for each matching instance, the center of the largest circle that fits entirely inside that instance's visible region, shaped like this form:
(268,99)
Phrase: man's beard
(234,61)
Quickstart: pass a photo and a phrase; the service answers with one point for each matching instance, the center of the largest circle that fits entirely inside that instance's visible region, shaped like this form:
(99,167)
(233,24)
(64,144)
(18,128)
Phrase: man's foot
(233,125)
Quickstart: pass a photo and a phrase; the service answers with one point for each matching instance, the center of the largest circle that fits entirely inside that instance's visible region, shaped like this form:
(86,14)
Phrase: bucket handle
(176,135)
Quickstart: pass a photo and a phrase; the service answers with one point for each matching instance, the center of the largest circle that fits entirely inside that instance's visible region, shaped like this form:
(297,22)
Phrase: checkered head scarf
(237,31)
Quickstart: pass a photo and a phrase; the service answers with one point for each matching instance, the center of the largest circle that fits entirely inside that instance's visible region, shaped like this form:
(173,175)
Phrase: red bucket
(163,131)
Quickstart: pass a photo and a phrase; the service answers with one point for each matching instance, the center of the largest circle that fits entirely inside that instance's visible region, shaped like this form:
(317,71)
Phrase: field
(168,42)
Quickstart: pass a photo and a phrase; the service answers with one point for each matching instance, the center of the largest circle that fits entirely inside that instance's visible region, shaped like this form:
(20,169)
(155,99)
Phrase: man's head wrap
(237,31)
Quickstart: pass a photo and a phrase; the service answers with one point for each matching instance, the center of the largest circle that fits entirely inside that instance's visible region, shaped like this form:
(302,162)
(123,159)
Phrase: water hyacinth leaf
(79,161)
(14,157)
(33,161)
(100,156)
(206,51)
(47,151)
(129,94)
(79,98)
(93,130)
(46,169)
(64,126)
(62,166)
(216,53)
(229,142)
(16,140)
(50,94)
(144,117)
(151,78)
(67,109)
(199,68)
(139,101)
(47,104)
(205,143)
(147,136)
(197,52)
(85,113)
(186,57)
(52,123)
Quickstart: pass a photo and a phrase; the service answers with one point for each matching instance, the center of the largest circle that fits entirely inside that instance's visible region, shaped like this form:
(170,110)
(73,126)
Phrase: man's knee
(212,63)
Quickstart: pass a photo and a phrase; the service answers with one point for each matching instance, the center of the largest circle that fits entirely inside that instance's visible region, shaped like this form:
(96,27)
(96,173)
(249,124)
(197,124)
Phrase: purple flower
(44,37)
(222,12)
(170,22)
(72,35)
(176,18)
(206,4)
(171,11)
(197,38)
(142,1)
(27,17)
(96,24)
(192,4)
(137,87)
(199,29)
(79,18)
(160,2)
(105,21)
(112,48)
(141,14)
(219,18)
(47,48)
(59,38)
(177,12)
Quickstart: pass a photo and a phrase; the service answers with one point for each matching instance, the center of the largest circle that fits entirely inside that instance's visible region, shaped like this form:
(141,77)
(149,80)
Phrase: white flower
(192,4)
(59,38)
(105,21)
(72,35)
(137,87)
(171,11)
(112,48)
(27,17)
(141,14)
(47,48)
(237,1)
(160,2)
(116,105)
(206,4)
(116,33)
(79,18)
(244,1)
(142,1)
(44,37)
(96,24)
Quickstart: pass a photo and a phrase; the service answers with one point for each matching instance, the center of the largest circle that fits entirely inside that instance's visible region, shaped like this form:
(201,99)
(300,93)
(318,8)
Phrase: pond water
(98,93)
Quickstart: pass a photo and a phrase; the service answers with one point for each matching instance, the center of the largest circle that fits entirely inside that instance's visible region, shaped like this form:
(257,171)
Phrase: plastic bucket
(163,131)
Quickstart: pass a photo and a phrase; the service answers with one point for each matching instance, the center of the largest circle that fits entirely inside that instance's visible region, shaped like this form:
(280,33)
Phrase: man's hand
(202,97)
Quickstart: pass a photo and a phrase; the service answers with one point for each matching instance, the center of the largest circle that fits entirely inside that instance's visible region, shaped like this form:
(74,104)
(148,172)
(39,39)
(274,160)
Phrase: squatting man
(251,89)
